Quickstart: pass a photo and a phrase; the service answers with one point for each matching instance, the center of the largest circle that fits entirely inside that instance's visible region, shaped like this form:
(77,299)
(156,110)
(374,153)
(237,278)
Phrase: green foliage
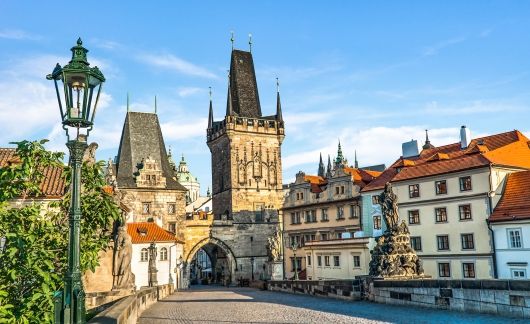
(33,260)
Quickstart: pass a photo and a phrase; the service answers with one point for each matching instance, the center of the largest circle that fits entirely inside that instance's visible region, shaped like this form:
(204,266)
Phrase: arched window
(163,254)
(144,255)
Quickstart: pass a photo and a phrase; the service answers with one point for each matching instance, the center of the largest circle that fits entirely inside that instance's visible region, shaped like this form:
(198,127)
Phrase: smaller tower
(356,163)
(328,171)
(321,169)
(279,116)
(427,144)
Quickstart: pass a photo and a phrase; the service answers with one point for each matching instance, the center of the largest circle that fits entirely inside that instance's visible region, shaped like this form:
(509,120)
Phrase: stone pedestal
(276,270)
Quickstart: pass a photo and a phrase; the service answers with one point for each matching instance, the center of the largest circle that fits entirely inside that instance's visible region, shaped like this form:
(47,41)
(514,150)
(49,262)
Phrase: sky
(370,74)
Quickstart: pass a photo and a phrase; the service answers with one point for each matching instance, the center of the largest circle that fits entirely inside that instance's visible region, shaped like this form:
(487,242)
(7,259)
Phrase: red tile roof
(515,202)
(505,149)
(52,186)
(147,232)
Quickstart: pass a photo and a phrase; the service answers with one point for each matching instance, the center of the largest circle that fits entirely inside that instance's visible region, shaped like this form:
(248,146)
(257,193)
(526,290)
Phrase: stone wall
(500,297)
(127,310)
(342,289)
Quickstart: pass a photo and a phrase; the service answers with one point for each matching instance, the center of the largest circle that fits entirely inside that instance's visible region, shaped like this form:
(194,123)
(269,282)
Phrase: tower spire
(229,109)
(232,39)
(427,144)
(279,116)
(356,163)
(321,169)
(155,105)
(340,157)
(250,43)
(210,112)
(328,171)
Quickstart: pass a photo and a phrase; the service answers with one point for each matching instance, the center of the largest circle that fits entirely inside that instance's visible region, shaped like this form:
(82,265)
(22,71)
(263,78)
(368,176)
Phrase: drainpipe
(491,193)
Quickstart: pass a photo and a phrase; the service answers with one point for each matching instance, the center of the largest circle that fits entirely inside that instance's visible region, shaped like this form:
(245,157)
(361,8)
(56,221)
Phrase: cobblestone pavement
(209,304)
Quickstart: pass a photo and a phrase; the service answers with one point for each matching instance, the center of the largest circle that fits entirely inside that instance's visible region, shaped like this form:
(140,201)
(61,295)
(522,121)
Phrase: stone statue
(121,270)
(388,201)
(90,153)
(153,281)
(392,257)
(274,247)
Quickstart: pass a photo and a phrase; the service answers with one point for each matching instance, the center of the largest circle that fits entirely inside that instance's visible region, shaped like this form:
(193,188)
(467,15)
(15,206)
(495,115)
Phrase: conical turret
(321,169)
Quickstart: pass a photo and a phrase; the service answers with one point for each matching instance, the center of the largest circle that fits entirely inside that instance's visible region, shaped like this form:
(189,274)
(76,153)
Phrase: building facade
(322,223)
(510,223)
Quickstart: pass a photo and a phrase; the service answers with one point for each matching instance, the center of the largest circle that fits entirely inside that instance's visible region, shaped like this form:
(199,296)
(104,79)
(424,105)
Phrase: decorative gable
(150,174)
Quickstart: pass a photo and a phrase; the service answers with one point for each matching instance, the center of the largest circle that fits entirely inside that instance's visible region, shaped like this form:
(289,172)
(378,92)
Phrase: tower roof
(243,86)
(142,138)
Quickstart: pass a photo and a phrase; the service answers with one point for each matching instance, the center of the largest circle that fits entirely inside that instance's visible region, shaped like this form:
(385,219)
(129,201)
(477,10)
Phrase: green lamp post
(75,84)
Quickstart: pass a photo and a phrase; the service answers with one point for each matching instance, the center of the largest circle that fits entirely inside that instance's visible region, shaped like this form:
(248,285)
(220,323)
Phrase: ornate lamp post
(294,247)
(77,106)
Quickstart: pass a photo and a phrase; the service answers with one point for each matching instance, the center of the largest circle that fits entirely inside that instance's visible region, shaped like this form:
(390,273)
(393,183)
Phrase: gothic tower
(245,147)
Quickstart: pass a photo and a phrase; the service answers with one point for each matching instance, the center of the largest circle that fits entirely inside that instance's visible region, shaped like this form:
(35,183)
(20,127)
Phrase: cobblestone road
(246,305)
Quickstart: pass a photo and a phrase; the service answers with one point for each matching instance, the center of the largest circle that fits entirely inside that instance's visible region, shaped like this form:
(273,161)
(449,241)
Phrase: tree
(33,259)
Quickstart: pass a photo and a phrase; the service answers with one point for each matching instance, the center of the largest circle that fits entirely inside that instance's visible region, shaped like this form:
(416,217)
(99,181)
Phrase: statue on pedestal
(274,247)
(121,270)
(392,257)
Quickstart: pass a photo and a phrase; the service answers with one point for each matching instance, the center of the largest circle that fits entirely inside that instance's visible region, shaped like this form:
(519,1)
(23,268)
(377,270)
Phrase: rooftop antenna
(250,42)
(127,101)
(232,39)
(155,105)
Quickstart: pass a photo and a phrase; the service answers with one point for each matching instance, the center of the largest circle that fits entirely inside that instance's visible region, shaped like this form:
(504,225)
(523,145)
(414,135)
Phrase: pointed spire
(340,157)
(208,193)
(182,159)
(279,116)
(427,144)
(356,163)
(328,171)
(210,112)
(128,102)
(155,105)
(321,169)
(229,109)
(250,43)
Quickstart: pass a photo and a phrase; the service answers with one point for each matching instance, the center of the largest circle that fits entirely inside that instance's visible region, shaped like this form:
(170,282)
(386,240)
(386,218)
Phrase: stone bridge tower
(246,170)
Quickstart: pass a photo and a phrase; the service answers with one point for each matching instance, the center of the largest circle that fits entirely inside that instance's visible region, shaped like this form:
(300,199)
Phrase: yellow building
(322,217)
(446,194)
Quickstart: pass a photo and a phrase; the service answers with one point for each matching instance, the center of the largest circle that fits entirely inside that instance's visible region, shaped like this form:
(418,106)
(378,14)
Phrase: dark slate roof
(243,85)
(141,138)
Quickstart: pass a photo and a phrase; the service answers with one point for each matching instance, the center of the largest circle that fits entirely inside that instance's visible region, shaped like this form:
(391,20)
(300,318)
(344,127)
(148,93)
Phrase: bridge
(213,304)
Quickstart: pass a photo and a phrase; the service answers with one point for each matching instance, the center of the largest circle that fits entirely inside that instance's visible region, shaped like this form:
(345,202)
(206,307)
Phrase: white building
(510,222)
(169,252)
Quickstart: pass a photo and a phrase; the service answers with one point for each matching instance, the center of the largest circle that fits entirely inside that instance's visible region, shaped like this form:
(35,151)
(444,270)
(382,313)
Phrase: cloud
(290,74)
(474,107)
(17,34)
(174,131)
(434,49)
(176,64)
(188,91)
(106,44)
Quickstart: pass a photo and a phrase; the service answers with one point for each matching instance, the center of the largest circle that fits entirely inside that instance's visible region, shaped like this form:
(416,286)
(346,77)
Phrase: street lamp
(294,247)
(77,108)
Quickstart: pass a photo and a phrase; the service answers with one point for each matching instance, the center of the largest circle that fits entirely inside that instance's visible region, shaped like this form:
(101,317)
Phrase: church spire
(427,144)
(356,163)
(210,112)
(229,109)
(155,105)
(321,169)
(279,116)
(328,171)
(340,157)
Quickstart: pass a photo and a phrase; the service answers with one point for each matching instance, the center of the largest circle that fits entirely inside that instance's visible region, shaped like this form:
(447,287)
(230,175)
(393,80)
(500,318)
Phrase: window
(336,260)
(444,270)
(337,190)
(319,260)
(514,238)
(342,189)
(356,261)
(146,208)
(518,273)
(377,222)
(324,236)
(414,216)
(375,200)
(441,215)
(324,215)
(414,191)
(144,255)
(468,270)
(465,183)
(310,216)
(326,260)
(163,254)
(415,243)
(171,208)
(443,242)
(340,212)
(172,227)
(441,187)
(465,212)
(355,211)
(467,242)
(309,260)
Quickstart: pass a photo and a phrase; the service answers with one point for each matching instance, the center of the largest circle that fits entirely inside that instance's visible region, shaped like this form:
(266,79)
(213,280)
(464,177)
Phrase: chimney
(465,137)
(410,149)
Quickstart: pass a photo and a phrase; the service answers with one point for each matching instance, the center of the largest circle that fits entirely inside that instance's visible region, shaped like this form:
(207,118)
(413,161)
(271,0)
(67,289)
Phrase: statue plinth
(275,269)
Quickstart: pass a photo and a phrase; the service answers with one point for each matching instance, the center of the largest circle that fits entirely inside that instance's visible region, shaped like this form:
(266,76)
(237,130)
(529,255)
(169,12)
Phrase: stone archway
(212,241)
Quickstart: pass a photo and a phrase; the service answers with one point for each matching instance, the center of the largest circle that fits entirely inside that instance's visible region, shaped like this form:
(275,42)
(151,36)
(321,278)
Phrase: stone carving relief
(274,247)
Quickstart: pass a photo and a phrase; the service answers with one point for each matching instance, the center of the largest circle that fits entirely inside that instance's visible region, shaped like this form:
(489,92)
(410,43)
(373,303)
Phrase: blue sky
(371,74)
